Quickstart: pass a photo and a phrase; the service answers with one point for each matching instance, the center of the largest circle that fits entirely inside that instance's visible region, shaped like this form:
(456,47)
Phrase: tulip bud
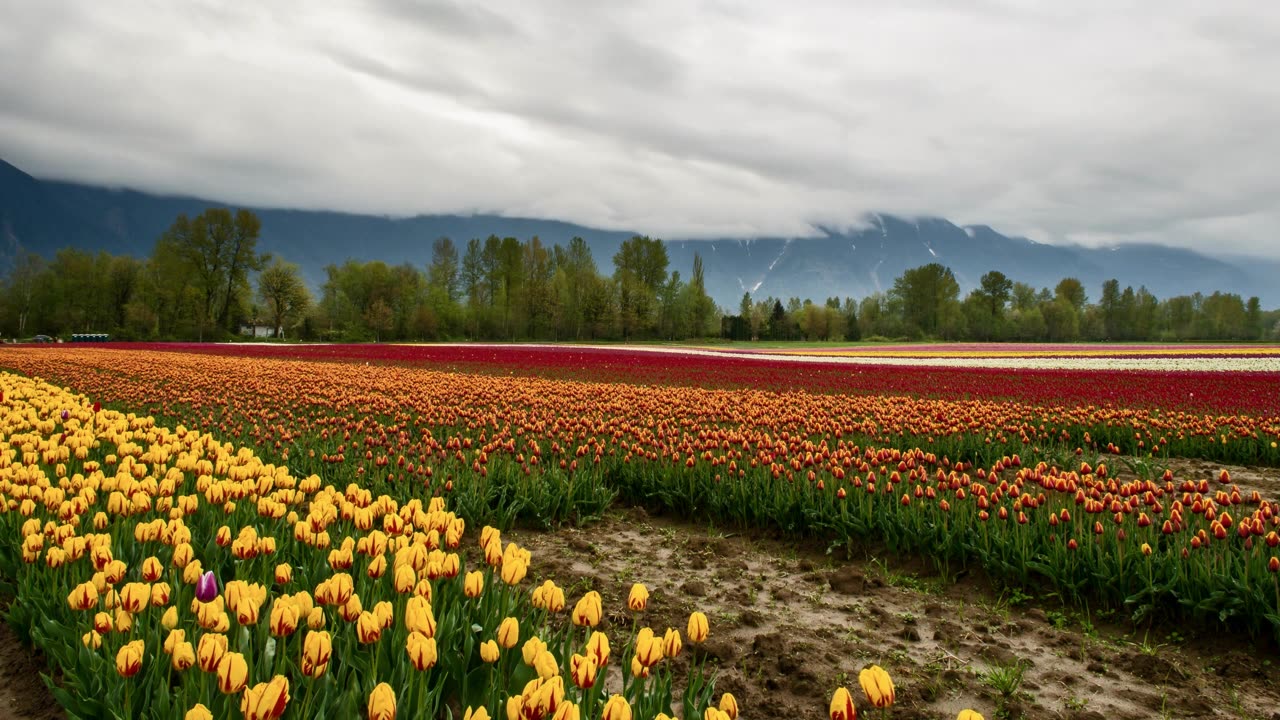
(266,701)
(129,659)
(184,656)
(842,706)
(671,645)
(489,651)
(588,610)
(207,587)
(638,600)
(582,669)
(698,629)
(509,633)
(877,685)
(473,586)
(422,651)
(382,703)
(233,673)
(317,649)
(198,712)
(617,708)
(729,705)
(969,715)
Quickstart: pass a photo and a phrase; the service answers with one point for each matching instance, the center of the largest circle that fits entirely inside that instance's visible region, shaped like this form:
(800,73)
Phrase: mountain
(44,216)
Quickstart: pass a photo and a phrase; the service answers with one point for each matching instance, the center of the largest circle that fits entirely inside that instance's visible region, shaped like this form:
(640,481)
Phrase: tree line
(206,280)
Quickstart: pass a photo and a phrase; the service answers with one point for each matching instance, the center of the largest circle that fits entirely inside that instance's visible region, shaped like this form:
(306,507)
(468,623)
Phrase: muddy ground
(789,623)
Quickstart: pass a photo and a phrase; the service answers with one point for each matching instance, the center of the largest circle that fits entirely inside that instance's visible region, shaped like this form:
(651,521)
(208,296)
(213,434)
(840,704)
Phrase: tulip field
(265,531)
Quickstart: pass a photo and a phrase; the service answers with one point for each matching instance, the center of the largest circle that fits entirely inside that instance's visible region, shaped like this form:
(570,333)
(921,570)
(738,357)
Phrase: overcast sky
(1090,121)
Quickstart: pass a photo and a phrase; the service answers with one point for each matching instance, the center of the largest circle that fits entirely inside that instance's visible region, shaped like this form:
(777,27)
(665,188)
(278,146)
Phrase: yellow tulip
(421,650)
(638,599)
(198,712)
(135,597)
(419,617)
(698,629)
(152,569)
(969,715)
(842,707)
(544,663)
(284,574)
(529,651)
(648,648)
(473,586)
(715,713)
(567,711)
(315,618)
(83,597)
(617,708)
(671,645)
(266,701)
(582,669)
(183,555)
(489,651)
(233,673)
(638,669)
(317,649)
(385,614)
(509,633)
(210,650)
(184,656)
(129,658)
(877,685)
(382,703)
(598,648)
(479,713)
(91,640)
(405,579)
(729,705)
(588,610)
(368,628)
(284,617)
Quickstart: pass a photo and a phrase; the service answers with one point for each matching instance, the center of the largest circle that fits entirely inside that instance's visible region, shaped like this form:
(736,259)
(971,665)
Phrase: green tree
(283,294)
(930,298)
(221,250)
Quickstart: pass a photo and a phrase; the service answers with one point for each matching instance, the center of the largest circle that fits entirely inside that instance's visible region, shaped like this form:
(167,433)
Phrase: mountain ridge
(44,216)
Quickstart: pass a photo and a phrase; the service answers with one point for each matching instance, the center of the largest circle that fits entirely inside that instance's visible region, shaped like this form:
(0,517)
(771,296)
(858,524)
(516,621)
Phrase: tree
(994,291)
(284,295)
(1072,292)
(443,271)
(640,271)
(930,298)
(700,304)
(221,250)
(26,274)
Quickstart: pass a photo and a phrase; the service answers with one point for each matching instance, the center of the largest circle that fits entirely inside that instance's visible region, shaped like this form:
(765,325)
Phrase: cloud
(1091,121)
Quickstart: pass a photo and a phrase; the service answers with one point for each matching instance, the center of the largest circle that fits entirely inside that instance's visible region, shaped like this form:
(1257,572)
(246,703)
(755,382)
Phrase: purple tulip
(207,587)
(65,414)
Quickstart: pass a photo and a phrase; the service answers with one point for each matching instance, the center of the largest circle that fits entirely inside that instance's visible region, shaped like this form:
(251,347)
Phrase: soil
(790,623)
(23,695)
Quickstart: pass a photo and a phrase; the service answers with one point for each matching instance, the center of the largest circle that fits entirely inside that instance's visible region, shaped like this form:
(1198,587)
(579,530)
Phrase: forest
(207,280)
